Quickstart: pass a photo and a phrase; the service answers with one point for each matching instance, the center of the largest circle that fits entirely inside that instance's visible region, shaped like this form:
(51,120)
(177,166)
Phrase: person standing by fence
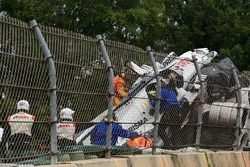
(66,128)
(18,132)
(169,106)
(21,125)
(120,89)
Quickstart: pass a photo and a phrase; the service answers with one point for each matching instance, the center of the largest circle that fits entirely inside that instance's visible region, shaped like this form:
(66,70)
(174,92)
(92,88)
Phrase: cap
(23,105)
(67,113)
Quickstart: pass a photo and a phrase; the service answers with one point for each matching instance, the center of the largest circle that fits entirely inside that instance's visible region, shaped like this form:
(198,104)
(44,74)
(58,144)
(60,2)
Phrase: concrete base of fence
(61,165)
(208,159)
(114,162)
(189,159)
(151,161)
(246,158)
(226,159)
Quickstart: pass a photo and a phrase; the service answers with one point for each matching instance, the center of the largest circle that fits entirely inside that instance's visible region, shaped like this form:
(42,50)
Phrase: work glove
(152,94)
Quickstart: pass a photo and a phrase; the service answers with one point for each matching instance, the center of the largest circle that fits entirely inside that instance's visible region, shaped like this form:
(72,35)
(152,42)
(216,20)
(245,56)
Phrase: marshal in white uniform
(21,122)
(66,128)
(18,135)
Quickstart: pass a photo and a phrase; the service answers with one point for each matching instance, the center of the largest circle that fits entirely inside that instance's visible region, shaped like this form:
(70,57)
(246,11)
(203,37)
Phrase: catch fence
(54,69)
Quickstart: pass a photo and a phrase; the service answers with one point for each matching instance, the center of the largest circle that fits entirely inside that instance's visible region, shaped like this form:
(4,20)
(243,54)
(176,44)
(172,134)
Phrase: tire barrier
(223,113)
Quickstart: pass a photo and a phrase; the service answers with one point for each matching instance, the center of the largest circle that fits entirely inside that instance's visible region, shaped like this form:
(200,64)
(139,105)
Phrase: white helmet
(67,113)
(23,105)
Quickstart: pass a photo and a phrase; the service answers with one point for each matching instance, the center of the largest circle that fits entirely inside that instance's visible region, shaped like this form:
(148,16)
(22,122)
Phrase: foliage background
(165,25)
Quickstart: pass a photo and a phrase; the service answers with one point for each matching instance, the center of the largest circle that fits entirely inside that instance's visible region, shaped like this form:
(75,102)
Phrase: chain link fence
(168,101)
(24,76)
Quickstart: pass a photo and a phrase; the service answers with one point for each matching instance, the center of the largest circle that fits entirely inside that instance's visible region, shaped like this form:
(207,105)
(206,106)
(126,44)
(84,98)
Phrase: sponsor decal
(67,125)
(138,124)
(20,116)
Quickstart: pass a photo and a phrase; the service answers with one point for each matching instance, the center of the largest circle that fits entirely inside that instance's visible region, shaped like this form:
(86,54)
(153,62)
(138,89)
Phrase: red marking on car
(183,63)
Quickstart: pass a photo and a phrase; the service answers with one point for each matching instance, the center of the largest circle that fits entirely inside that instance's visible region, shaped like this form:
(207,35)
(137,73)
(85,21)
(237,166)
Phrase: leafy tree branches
(165,25)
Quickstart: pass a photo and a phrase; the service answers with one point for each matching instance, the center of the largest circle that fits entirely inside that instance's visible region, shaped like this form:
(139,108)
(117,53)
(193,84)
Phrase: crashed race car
(219,111)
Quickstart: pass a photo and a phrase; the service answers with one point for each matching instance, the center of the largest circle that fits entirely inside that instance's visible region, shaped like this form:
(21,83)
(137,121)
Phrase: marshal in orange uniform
(120,88)
(140,141)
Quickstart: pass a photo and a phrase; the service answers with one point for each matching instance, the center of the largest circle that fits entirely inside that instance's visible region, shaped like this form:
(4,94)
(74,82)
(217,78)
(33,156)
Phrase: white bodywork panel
(136,110)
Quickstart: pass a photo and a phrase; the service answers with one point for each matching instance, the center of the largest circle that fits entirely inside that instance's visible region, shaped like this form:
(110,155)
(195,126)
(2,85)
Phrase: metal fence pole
(158,96)
(111,95)
(202,101)
(238,115)
(52,78)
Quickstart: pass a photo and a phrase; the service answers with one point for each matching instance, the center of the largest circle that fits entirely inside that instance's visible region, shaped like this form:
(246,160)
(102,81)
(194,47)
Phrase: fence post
(52,79)
(158,97)
(111,95)
(202,101)
(238,115)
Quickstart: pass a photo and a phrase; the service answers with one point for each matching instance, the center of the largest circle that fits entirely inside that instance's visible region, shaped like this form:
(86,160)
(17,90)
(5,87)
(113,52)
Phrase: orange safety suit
(120,89)
(140,141)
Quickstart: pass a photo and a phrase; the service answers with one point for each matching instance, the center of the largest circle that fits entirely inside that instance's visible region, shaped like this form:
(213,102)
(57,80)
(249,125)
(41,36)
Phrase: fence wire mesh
(82,98)
(219,89)
(82,88)
(23,76)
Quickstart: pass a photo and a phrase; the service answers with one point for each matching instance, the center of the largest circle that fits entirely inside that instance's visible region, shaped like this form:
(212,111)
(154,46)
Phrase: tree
(165,25)
(219,25)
